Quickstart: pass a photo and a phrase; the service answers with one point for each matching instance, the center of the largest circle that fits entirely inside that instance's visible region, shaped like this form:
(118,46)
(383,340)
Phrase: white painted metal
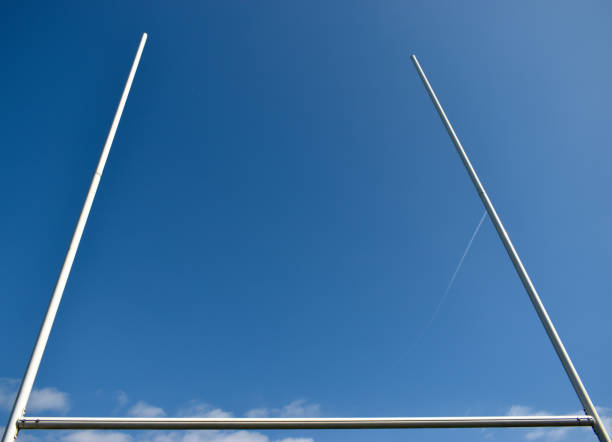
(27,382)
(518,265)
(314,423)
(17,420)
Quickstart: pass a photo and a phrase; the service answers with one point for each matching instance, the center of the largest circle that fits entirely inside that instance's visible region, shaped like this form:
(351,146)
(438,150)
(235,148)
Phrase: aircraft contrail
(452,280)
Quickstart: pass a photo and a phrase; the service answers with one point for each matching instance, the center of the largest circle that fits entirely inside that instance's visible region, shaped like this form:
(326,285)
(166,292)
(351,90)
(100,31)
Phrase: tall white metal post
(589,409)
(11,430)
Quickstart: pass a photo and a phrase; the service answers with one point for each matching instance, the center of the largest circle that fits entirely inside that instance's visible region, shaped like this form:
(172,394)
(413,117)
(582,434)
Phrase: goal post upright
(27,382)
(572,374)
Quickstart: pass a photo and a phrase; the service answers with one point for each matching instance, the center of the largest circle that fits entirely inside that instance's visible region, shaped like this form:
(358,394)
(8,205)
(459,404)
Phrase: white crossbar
(310,423)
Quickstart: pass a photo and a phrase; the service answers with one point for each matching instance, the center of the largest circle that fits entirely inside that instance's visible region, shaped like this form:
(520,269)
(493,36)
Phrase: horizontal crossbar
(309,423)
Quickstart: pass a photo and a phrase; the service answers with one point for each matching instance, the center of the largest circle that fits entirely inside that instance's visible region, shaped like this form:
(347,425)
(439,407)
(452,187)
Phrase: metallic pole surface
(311,423)
(589,409)
(10,432)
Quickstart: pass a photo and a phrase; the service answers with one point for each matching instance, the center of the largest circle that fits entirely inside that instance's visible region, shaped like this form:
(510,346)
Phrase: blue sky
(282,211)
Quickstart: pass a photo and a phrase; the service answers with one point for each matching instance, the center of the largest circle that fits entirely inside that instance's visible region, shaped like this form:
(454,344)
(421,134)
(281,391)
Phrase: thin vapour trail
(452,280)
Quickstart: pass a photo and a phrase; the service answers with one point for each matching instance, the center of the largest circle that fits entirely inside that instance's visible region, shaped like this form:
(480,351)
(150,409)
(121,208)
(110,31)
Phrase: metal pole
(309,423)
(589,409)
(10,432)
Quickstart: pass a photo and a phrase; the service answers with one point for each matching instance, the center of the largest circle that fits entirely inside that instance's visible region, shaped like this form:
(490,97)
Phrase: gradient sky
(282,211)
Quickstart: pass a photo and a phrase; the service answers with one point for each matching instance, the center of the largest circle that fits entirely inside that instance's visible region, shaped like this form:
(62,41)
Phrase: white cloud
(159,436)
(520,410)
(556,434)
(299,439)
(48,399)
(547,434)
(52,399)
(212,436)
(297,408)
(605,414)
(300,408)
(28,437)
(197,408)
(258,412)
(96,436)
(143,409)
(44,399)
(237,436)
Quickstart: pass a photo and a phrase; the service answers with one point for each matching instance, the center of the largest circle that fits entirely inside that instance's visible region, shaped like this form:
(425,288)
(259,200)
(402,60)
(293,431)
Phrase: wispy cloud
(196,408)
(44,399)
(95,436)
(8,390)
(52,399)
(300,408)
(258,412)
(524,410)
(605,414)
(158,436)
(297,408)
(213,436)
(48,399)
(299,439)
(122,398)
(547,434)
(143,409)
(544,434)
(555,434)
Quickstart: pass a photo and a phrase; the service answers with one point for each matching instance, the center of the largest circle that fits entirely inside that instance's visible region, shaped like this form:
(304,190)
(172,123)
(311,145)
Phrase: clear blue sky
(282,211)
